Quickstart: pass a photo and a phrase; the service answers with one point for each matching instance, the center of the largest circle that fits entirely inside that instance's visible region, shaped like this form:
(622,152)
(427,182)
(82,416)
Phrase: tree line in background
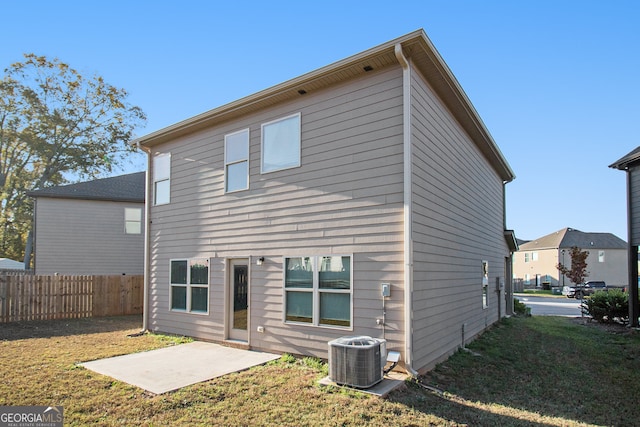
(55,126)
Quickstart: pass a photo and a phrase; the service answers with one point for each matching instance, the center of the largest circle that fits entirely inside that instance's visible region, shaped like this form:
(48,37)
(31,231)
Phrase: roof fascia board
(35,195)
(446,86)
(627,161)
(211,116)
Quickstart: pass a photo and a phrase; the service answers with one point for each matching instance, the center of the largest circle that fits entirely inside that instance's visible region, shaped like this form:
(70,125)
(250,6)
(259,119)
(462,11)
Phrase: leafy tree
(55,123)
(578,271)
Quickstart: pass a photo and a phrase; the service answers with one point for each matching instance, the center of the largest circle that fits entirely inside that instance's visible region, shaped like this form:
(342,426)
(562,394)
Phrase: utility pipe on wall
(408,208)
(148,197)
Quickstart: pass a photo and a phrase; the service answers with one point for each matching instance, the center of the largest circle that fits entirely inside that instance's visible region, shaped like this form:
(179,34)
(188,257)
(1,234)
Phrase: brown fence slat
(3,299)
(32,297)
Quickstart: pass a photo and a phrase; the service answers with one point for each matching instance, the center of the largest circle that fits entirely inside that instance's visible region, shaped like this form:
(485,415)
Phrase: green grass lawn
(524,371)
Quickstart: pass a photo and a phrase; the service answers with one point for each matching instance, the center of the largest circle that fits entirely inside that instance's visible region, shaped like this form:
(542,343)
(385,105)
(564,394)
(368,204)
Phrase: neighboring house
(278,221)
(535,263)
(631,164)
(9,264)
(94,227)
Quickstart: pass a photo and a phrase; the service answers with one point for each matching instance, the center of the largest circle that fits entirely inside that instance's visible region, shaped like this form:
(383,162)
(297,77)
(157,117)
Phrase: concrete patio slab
(171,368)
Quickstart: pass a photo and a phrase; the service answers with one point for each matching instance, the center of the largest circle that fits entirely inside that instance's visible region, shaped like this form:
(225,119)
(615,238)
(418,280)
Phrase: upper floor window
(281,144)
(133,220)
(236,161)
(161,178)
(600,256)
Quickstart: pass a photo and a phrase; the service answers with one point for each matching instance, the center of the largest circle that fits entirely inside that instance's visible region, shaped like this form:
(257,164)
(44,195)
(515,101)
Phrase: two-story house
(90,228)
(535,263)
(362,198)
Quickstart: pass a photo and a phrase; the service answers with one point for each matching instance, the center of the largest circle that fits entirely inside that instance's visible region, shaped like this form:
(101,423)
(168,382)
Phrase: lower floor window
(485,284)
(190,285)
(318,290)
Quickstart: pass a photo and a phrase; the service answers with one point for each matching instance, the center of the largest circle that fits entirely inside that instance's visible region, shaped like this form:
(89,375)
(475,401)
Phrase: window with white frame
(133,220)
(600,256)
(190,285)
(236,161)
(161,178)
(281,144)
(485,284)
(318,290)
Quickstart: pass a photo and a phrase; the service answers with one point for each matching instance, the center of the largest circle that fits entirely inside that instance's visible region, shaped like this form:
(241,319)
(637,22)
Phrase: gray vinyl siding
(634,201)
(86,237)
(346,198)
(457,223)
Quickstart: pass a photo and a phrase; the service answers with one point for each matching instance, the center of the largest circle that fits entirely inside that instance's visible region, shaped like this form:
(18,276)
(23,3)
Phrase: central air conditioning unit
(357,361)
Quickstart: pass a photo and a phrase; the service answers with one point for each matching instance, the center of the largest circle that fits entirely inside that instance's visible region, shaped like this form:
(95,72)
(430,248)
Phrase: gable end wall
(457,223)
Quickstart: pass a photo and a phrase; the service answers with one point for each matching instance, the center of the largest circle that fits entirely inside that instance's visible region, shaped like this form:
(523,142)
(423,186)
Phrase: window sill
(311,325)
(197,313)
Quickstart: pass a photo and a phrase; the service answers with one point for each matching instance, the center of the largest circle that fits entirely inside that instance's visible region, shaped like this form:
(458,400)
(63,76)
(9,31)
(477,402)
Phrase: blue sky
(555,81)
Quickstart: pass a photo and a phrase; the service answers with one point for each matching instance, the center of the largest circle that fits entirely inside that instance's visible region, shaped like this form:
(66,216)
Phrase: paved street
(548,306)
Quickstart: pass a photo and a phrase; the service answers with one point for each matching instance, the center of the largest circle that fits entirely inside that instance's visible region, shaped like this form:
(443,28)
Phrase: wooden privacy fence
(65,297)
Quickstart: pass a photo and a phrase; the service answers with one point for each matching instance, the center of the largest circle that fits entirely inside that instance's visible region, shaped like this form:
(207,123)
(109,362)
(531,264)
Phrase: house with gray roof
(534,264)
(90,228)
(362,198)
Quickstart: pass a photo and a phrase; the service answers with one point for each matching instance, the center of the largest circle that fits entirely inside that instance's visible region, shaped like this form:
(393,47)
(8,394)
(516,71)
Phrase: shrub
(608,307)
(519,307)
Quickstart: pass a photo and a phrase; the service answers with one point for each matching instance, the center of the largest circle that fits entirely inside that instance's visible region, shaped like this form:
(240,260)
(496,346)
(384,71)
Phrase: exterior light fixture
(260,260)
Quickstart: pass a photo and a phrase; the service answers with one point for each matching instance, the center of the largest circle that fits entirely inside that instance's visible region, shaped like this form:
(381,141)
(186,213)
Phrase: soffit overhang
(416,47)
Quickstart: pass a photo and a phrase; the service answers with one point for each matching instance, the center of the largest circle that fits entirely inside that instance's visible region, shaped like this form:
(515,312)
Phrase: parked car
(585,289)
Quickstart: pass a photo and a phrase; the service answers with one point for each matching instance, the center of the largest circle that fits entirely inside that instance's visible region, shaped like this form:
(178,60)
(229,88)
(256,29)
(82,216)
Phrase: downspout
(408,208)
(147,208)
(632,256)
(504,205)
(508,280)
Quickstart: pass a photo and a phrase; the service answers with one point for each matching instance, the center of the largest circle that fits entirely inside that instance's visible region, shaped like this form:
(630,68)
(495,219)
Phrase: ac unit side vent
(357,361)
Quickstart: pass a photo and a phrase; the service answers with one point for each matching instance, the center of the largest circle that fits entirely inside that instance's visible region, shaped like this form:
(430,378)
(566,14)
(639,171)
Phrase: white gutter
(408,207)
(147,209)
